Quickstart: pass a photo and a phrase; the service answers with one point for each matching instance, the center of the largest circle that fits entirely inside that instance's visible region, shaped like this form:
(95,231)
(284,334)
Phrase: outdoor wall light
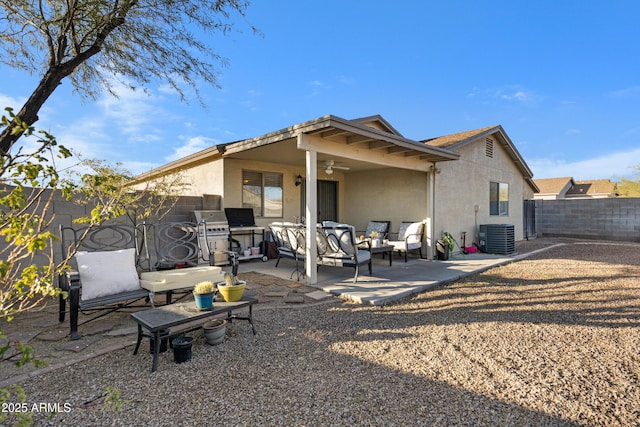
(298,180)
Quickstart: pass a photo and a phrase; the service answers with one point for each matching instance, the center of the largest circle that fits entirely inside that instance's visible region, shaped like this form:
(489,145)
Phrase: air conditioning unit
(497,238)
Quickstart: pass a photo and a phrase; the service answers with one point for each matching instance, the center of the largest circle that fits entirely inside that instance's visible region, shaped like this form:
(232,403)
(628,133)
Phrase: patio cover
(356,144)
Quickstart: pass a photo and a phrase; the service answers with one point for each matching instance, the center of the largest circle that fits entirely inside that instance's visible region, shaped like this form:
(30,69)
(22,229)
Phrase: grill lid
(209,216)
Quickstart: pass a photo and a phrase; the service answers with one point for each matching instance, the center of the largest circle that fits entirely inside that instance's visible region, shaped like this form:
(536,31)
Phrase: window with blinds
(262,192)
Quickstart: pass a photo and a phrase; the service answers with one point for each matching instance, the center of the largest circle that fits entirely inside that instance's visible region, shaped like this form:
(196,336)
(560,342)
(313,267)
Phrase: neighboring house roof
(593,188)
(566,187)
(554,186)
(456,140)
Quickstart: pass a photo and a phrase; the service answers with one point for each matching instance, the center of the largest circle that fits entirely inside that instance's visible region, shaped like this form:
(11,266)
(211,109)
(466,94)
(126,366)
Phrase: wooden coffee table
(155,320)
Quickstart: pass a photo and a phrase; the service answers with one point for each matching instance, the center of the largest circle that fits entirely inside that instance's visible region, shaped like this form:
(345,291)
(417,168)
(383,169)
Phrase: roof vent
(488,150)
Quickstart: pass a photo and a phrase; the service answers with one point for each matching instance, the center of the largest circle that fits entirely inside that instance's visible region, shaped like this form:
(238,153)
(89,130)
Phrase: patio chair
(409,238)
(381,227)
(337,247)
(290,241)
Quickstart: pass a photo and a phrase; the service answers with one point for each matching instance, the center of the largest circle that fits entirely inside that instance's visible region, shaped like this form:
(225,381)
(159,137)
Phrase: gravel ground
(549,340)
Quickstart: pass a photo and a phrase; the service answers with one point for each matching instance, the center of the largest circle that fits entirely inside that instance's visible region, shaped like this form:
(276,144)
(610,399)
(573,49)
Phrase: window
(499,199)
(262,191)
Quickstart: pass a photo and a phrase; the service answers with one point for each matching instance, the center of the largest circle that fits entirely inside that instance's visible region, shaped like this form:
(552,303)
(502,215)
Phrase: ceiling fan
(331,165)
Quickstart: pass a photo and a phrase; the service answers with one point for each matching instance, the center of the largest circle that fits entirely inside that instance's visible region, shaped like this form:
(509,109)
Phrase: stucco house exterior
(486,185)
(355,171)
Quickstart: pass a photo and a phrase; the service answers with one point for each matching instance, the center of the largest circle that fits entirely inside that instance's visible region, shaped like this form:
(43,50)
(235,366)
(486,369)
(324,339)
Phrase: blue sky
(561,77)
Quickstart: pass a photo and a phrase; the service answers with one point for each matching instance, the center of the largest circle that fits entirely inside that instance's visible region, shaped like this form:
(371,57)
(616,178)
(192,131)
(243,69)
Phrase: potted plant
(445,245)
(375,238)
(203,295)
(232,288)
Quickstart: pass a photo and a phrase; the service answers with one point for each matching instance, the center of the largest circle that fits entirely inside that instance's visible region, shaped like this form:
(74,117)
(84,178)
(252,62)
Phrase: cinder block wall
(65,211)
(607,219)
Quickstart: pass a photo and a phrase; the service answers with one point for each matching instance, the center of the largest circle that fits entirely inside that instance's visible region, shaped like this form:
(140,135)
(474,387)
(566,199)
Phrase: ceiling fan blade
(331,164)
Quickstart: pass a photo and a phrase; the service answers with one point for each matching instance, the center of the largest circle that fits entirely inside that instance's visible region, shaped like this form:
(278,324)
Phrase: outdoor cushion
(107,272)
(340,259)
(382,227)
(346,238)
(179,278)
(412,231)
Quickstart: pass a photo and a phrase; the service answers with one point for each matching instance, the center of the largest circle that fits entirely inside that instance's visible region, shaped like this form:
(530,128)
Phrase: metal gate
(529,218)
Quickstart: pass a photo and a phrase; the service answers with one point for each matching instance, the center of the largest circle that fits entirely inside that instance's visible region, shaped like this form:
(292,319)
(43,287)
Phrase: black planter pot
(164,341)
(182,349)
(442,250)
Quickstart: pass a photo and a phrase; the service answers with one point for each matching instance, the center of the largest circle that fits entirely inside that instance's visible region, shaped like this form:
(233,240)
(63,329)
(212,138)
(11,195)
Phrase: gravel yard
(553,339)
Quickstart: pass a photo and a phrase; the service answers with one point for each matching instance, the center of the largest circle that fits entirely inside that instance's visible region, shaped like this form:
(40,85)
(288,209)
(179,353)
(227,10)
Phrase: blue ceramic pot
(203,301)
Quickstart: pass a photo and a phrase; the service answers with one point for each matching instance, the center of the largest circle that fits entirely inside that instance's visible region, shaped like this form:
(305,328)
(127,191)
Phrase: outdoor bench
(117,265)
(336,245)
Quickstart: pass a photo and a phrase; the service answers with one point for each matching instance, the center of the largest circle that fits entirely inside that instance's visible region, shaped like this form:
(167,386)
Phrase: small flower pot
(203,301)
(214,331)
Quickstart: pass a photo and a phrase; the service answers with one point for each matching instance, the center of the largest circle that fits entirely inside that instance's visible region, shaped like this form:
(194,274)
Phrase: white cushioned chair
(409,238)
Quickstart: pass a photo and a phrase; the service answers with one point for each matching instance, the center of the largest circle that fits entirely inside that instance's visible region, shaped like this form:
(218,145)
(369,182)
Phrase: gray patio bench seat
(337,247)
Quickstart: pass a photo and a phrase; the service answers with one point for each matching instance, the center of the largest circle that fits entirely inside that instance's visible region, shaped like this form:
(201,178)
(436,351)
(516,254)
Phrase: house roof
(456,138)
(554,185)
(592,188)
(371,133)
(460,139)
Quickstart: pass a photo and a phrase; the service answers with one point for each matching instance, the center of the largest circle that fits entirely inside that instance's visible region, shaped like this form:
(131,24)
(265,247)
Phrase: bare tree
(630,187)
(93,41)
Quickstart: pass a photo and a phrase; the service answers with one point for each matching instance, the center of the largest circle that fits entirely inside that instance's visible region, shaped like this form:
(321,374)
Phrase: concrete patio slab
(388,283)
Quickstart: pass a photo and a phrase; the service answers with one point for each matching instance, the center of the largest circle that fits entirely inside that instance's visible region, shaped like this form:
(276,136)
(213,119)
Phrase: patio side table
(155,320)
(384,249)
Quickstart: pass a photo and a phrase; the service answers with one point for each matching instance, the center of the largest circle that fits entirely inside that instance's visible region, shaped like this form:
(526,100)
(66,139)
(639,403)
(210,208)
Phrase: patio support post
(431,209)
(311,209)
